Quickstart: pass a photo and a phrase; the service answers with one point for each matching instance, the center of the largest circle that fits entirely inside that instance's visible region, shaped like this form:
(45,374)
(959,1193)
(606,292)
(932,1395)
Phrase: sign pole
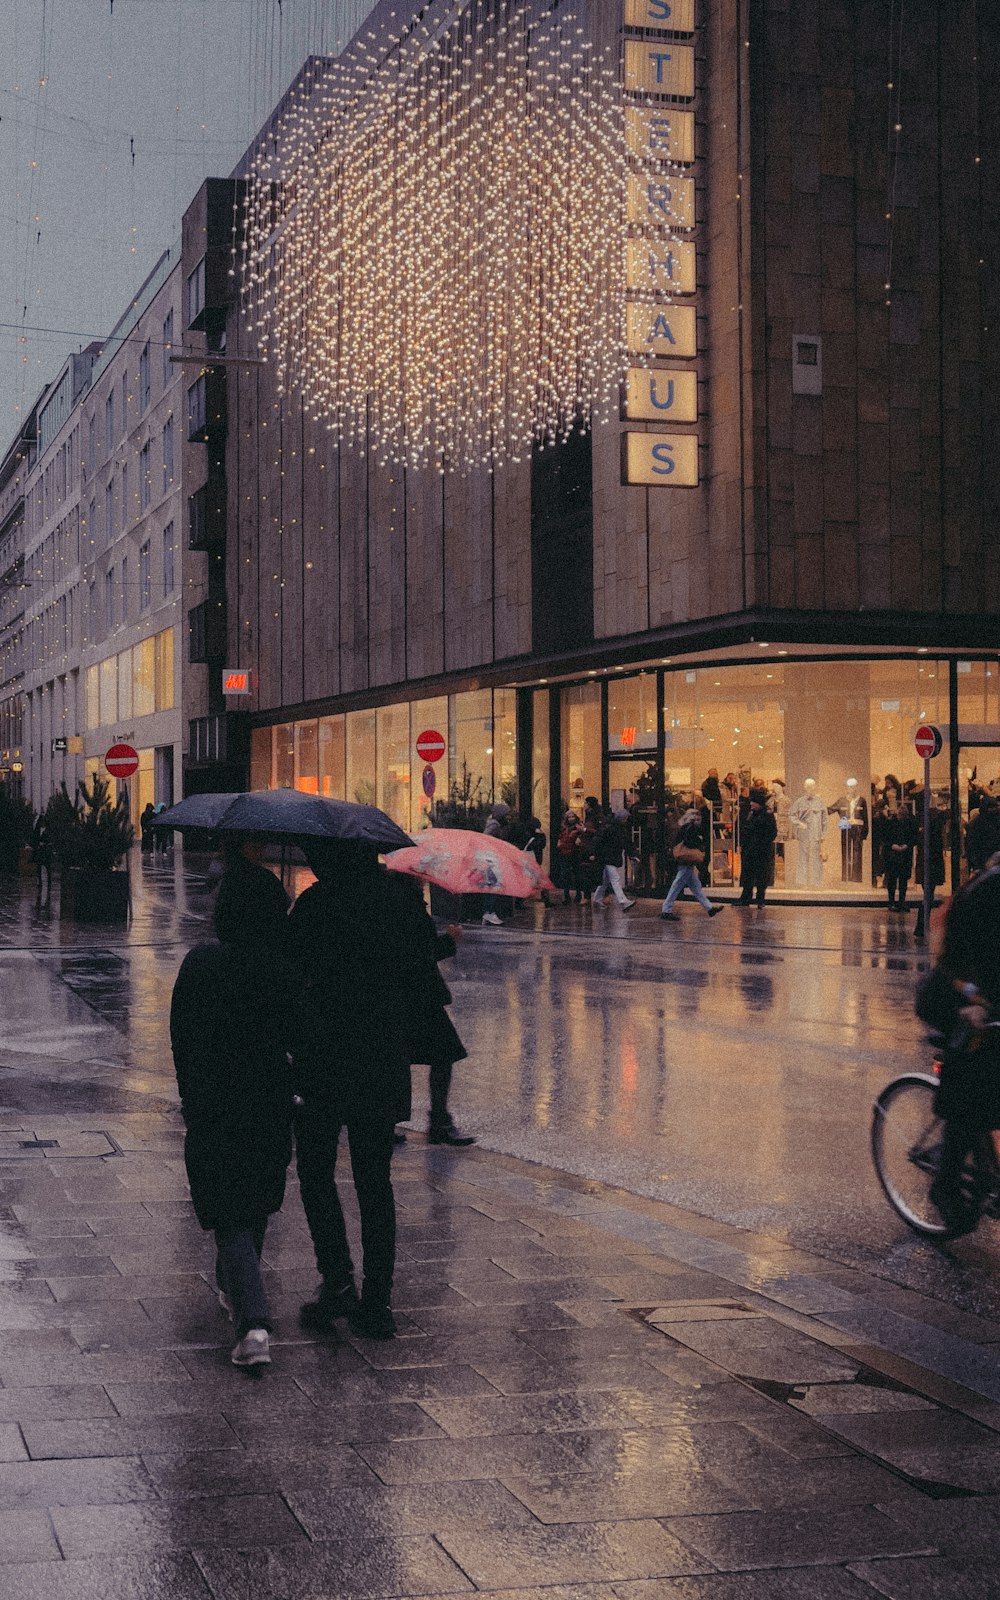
(925,916)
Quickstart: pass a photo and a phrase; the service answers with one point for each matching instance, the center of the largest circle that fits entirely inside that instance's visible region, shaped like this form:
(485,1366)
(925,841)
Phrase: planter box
(90,896)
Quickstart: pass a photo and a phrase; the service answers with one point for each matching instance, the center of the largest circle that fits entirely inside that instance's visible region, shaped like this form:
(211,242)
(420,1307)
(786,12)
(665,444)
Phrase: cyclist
(969,1096)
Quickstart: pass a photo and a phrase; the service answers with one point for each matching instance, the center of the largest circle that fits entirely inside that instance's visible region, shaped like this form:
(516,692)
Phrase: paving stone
(26,1536)
(515,1314)
(532,1374)
(191,1398)
(11,1443)
(26,1484)
(594,1497)
(930,1579)
(840,1399)
(762,1348)
(577,1553)
(247,1519)
(437,1460)
(181,1474)
(336,1513)
(797,1537)
(80,1290)
(805,1583)
(314,1432)
(117,1578)
(927,1430)
(367,1568)
(401,1383)
(588,1410)
(65,1441)
(60,1402)
(112,1366)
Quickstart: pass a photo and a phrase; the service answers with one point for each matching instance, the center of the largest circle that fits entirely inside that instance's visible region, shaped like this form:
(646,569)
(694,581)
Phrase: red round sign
(121,761)
(431,745)
(927,741)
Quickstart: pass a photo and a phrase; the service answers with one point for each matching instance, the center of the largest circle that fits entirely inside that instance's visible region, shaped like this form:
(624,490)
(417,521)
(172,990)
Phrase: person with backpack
(689,851)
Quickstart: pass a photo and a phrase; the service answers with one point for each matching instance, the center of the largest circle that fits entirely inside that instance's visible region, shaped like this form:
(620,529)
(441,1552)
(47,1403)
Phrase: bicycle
(907,1137)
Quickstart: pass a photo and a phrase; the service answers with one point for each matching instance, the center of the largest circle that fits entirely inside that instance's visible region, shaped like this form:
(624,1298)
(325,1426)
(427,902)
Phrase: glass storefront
(830,740)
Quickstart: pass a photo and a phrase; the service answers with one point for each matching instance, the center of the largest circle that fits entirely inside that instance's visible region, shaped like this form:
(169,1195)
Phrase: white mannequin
(807,815)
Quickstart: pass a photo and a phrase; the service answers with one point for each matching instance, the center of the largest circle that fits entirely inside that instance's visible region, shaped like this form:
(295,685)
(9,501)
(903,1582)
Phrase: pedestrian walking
(610,851)
(432,1037)
(41,854)
(757,836)
(899,835)
(362,972)
(689,851)
(497,827)
(146,835)
(568,847)
(232,1025)
(535,846)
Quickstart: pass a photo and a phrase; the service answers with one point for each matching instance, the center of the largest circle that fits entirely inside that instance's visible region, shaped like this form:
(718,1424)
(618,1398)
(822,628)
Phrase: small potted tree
(91,837)
(17,820)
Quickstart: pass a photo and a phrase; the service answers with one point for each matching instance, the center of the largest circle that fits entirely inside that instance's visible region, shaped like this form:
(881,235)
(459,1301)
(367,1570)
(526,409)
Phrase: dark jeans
(440,1083)
(754,885)
(896,883)
(317,1134)
(237,1272)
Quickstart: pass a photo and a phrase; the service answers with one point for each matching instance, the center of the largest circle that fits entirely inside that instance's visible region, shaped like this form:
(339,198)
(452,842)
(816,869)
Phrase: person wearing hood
(233,1023)
(690,849)
(757,836)
(610,850)
(497,827)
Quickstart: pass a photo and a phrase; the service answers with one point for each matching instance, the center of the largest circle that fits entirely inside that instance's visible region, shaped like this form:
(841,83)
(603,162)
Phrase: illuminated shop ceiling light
(434,253)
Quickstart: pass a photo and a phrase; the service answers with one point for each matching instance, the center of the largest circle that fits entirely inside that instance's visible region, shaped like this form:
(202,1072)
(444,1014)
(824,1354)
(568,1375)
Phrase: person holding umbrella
(363,973)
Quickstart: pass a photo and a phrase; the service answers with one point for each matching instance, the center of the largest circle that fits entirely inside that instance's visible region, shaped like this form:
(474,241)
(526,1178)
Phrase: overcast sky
(111,114)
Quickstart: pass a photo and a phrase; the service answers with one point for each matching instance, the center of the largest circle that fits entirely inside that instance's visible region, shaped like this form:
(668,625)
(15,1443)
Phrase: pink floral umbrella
(471,863)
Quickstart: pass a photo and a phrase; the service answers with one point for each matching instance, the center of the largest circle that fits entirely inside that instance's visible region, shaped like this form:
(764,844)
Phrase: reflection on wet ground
(726,1066)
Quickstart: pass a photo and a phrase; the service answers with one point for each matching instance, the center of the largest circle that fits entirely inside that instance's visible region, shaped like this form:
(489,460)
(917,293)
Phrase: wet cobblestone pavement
(661,1341)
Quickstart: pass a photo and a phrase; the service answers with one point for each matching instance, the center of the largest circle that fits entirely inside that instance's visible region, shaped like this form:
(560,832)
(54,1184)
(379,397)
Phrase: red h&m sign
(628,738)
(236,680)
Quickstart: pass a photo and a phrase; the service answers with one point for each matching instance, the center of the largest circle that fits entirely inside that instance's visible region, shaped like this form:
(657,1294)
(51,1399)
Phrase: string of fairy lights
(428,300)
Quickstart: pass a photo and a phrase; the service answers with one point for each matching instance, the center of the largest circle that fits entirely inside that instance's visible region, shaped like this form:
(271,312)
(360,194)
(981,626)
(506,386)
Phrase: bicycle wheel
(907,1135)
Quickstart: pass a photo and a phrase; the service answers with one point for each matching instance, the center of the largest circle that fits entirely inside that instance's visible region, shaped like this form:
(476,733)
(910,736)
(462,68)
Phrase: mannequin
(807,815)
(780,805)
(852,810)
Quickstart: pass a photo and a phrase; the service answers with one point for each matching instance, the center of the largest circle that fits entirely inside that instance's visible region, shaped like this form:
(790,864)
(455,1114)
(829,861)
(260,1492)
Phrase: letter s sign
(663,457)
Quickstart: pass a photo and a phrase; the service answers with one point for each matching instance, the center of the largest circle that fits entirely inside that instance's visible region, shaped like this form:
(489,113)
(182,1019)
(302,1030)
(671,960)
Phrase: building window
(109,600)
(168,559)
(197,518)
(92,696)
(168,344)
(168,454)
(144,678)
(124,612)
(124,497)
(92,444)
(109,691)
(109,511)
(196,410)
(109,423)
(144,377)
(163,653)
(198,633)
(145,577)
(145,485)
(92,523)
(124,404)
(196,291)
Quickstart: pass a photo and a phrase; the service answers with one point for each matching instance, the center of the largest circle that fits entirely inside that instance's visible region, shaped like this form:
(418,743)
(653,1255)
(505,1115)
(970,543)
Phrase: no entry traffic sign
(927,741)
(431,745)
(121,761)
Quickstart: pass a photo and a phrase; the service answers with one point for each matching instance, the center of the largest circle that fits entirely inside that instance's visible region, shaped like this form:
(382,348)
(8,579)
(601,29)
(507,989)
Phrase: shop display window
(541,799)
(470,747)
(109,691)
(261,744)
(392,743)
(361,757)
(144,678)
(125,684)
(505,745)
(427,716)
(164,668)
(307,757)
(284,755)
(332,758)
(92,696)
(632,713)
(581,756)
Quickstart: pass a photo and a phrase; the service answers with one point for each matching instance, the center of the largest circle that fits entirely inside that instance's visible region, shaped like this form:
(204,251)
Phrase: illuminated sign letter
(651,393)
(660,16)
(667,459)
(661,330)
(650,70)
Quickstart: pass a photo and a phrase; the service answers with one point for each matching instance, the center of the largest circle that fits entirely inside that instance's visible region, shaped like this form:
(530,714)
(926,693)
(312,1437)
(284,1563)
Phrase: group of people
(591,855)
(306,1021)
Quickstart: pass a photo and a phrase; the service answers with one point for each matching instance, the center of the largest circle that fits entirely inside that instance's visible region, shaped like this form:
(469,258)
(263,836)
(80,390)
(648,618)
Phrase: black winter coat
(757,835)
(611,844)
(353,941)
(232,1020)
(431,1036)
(899,829)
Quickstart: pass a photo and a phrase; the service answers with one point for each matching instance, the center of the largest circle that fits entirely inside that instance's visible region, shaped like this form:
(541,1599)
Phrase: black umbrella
(287,814)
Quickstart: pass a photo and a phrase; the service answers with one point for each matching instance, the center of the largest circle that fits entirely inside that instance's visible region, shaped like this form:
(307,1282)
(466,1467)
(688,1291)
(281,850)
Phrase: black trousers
(439,1084)
(896,882)
(370,1141)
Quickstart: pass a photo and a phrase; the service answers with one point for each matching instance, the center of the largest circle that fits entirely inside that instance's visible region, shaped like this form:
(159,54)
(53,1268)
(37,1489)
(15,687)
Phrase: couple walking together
(353,1000)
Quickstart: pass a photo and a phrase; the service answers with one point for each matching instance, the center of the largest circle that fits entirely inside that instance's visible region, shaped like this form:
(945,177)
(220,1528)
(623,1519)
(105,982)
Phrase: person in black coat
(232,1025)
(431,1035)
(899,835)
(757,835)
(982,837)
(362,969)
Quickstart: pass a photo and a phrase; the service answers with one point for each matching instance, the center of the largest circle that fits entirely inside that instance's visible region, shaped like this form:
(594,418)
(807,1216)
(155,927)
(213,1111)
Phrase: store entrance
(634,784)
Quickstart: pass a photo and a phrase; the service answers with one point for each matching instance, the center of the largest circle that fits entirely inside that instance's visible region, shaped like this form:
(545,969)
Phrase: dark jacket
(899,834)
(232,1022)
(611,844)
(983,837)
(430,1033)
(251,904)
(353,939)
(757,835)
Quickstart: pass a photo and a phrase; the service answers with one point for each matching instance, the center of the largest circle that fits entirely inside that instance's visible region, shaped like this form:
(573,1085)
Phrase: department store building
(777,560)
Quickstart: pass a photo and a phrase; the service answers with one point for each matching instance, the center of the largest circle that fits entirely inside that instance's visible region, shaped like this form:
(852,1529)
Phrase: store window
(109,691)
(261,742)
(164,669)
(392,735)
(541,800)
(361,757)
(427,716)
(581,763)
(125,684)
(470,747)
(505,745)
(92,696)
(307,757)
(284,756)
(332,758)
(144,678)
(632,713)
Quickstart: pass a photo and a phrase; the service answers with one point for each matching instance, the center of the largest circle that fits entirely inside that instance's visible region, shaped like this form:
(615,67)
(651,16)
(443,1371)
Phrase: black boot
(372,1317)
(319,1315)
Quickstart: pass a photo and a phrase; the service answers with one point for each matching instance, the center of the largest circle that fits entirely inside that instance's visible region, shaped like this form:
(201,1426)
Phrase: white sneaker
(596,905)
(492,920)
(252,1350)
(626,905)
